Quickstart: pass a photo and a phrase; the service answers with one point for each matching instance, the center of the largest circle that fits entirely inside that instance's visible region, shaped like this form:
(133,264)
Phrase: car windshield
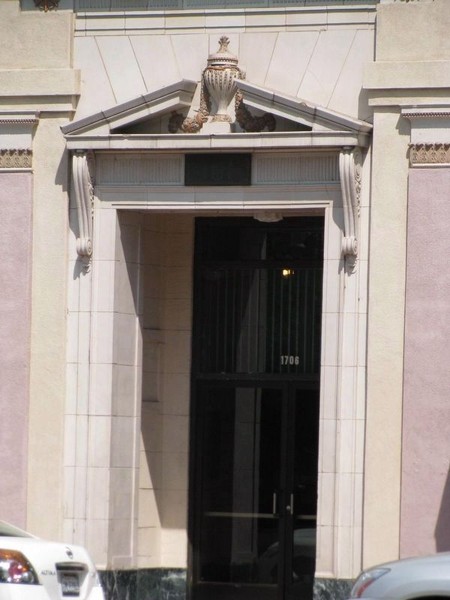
(7,530)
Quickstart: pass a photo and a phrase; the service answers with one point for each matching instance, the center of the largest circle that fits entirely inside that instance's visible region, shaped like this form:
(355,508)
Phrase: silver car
(406,579)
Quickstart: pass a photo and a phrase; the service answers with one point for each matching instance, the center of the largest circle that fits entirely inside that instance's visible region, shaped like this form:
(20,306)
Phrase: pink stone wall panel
(15,305)
(425,510)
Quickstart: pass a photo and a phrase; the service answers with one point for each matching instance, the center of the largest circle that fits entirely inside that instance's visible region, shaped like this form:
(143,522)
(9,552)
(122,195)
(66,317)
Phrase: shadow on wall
(442,531)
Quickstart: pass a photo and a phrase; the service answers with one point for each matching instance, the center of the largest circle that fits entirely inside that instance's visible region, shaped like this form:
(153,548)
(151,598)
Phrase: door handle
(290,506)
(274,503)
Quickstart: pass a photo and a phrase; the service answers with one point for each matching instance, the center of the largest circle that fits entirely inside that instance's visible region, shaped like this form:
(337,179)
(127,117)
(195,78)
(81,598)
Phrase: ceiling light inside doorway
(268,217)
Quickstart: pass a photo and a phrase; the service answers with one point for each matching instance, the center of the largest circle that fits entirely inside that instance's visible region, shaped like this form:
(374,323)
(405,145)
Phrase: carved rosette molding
(429,154)
(83,185)
(16,159)
(350,167)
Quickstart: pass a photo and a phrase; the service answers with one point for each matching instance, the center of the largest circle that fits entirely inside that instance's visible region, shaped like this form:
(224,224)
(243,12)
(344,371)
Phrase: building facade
(225,300)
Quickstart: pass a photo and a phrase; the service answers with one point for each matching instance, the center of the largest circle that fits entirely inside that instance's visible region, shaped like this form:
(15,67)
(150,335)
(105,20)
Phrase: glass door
(256,483)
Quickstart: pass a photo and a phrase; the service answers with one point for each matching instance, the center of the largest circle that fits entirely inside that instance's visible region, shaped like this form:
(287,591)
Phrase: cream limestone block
(331,285)
(174,509)
(105,226)
(123,442)
(88,59)
(178,314)
(385,339)
(175,471)
(328,388)
(148,509)
(326,64)
(70,442)
(149,51)
(127,296)
(327,437)
(191,53)
(232,21)
(128,242)
(103,275)
(83,372)
(256,63)
(176,434)
(96,540)
(79,505)
(178,283)
(121,67)
(290,59)
(176,394)
(72,388)
(151,432)
(123,390)
(36,40)
(346,444)
(99,441)
(178,249)
(49,296)
(325,552)
(404,32)
(347,96)
(98,493)
(121,498)
(149,547)
(326,498)
(191,21)
(330,349)
(120,545)
(177,351)
(174,548)
(102,346)
(101,381)
(348,392)
(124,336)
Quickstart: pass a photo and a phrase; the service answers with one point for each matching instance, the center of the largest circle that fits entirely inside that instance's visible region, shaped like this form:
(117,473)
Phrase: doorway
(255,408)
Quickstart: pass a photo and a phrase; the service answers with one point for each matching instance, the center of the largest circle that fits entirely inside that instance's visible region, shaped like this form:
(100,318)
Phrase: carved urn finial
(219,78)
(46,5)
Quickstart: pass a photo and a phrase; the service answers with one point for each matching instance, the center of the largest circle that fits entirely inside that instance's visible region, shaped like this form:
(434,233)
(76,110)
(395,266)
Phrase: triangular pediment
(164,113)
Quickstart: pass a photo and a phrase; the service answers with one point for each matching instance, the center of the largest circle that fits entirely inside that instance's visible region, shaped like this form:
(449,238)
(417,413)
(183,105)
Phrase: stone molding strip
(16,159)
(429,154)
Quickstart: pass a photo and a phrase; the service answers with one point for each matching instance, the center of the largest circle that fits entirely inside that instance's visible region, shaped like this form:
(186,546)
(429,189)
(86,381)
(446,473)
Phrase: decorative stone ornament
(83,184)
(46,5)
(219,77)
(350,167)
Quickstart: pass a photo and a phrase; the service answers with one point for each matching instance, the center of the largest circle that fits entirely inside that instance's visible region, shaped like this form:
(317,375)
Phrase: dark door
(255,409)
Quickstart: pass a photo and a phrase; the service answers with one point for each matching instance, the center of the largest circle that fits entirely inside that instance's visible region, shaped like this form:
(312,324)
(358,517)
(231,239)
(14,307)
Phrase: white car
(422,578)
(35,569)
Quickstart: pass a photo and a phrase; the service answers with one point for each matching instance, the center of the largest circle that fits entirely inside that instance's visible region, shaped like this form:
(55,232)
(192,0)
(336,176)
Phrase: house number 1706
(289,359)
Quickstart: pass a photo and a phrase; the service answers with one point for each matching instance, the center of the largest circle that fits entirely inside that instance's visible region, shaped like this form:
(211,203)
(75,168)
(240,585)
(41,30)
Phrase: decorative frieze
(429,154)
(16,159)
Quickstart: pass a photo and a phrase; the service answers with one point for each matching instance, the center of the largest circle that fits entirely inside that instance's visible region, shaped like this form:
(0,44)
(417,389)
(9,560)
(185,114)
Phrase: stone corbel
(83,185)
(350,161)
